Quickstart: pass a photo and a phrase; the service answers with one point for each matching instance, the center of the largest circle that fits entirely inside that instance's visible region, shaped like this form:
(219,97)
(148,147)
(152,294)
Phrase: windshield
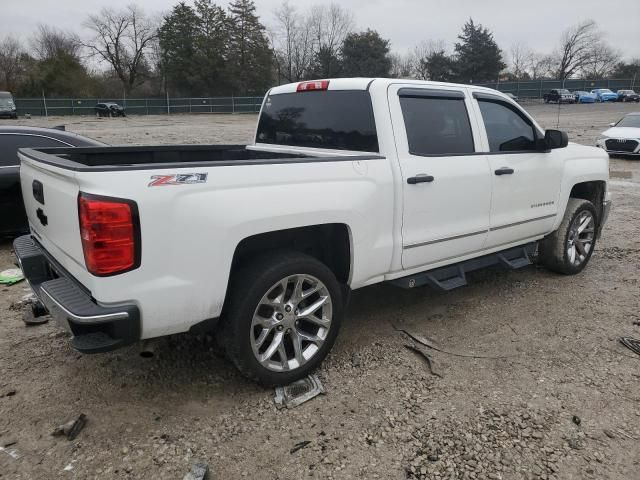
(337,120)
(632,121)
(6,103)
(604,90)
(564,92)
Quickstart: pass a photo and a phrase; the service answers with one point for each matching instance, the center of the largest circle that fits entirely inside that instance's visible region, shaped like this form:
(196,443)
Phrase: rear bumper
(95,328)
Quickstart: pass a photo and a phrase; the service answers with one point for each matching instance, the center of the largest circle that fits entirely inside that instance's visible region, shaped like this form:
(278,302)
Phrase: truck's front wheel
(282,317)
(569,248)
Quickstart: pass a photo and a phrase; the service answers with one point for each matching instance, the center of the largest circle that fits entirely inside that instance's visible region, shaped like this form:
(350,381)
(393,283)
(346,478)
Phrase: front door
(446,182)
(526,180)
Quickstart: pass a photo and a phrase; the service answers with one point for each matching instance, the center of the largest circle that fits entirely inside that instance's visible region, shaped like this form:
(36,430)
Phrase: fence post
(73,110)
(233,104)
(44,102)
(540,90)
(168,109)
(146,105)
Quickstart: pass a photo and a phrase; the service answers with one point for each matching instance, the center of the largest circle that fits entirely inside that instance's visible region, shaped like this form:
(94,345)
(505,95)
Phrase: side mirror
(612,124)
(556,139)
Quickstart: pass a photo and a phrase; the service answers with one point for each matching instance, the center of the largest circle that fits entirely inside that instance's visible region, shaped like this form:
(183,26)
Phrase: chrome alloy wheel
(291,322)
(580,238)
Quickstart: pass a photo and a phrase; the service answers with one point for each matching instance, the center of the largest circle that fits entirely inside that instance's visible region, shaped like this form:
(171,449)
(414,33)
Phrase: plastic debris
(72,428)
(298,392)
(12,453)
(198,472)
(11,276)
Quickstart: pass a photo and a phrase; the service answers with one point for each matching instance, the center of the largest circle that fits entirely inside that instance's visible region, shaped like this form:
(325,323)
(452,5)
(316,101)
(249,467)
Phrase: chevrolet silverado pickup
(349,183)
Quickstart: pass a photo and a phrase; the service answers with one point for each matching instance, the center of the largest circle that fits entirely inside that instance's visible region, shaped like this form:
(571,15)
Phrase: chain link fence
(138,106)
(534,89)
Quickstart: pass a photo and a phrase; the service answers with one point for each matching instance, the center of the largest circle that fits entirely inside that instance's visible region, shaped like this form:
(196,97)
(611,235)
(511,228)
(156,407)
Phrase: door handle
(504,171)
(420,178)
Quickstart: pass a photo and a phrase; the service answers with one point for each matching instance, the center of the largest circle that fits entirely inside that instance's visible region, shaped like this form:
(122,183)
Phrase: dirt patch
(553,340)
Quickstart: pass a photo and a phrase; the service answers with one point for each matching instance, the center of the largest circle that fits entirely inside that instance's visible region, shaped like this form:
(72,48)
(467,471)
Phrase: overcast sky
(537,24)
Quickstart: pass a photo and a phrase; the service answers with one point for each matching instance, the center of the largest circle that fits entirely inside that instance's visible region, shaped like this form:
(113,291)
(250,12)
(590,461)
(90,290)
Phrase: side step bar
(453,276)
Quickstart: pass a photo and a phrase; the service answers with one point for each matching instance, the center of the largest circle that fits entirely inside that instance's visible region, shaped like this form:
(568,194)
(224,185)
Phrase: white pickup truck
(350,182)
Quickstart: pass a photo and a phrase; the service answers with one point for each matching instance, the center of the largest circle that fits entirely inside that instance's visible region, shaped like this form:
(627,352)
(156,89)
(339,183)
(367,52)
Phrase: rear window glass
(338,120)
(10,143)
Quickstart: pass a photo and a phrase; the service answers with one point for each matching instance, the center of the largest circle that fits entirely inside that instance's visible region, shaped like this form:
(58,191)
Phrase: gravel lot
(534,384)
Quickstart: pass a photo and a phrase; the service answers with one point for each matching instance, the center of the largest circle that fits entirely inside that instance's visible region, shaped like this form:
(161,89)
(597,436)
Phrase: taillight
(313,85)
(110,234)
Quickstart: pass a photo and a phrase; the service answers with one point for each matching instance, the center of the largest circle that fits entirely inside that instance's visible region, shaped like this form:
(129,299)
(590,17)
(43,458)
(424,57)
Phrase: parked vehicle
(623,138)
(109,109)
(584,97)
(350,182)
(7,105)
(559,95)
(14,219)
(628,96)
(604,95)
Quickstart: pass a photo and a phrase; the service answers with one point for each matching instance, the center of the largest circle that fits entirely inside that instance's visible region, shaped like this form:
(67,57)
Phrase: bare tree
(603,61)
(11,62)
(576,48)
(330,25)
(121,39)
(522,60)
(543,66)
(402,65)
(292,40)
(50,42)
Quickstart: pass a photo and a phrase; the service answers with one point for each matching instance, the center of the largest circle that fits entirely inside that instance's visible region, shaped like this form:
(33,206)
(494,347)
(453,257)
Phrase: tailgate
(50,197)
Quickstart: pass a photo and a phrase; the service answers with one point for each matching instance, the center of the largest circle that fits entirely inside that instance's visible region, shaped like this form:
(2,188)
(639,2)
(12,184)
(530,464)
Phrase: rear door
(525,180)
(446,183)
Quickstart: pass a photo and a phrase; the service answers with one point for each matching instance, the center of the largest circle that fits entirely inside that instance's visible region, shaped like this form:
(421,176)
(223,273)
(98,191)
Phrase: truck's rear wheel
(282,318)
(569,248)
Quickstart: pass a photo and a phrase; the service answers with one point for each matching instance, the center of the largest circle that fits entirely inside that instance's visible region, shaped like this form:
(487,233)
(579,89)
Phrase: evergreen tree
(178,37)
(326,64)
(478,57)
(438,66)
(365,54)
(212,46)
(250,56)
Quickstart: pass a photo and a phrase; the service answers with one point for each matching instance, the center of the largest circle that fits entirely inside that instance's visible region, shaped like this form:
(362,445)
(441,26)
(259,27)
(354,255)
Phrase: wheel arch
(330,243)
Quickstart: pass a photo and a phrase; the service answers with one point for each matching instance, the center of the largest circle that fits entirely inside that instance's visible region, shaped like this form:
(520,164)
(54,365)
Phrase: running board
(454,276)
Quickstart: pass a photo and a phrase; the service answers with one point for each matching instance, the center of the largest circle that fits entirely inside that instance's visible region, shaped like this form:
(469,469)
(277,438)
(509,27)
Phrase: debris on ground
(72,428)
(576,419)
(298,392)
(420,350)
(631,343)
(299,446)
(12,453)
(198,472)
(11,276)
(36,315)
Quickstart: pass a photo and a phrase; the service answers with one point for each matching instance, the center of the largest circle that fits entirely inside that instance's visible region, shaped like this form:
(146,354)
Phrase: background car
(623,138)
(628,96)
(604,95)
(584,97)
(559,95)
(7,105)
(13,218)
(109,109)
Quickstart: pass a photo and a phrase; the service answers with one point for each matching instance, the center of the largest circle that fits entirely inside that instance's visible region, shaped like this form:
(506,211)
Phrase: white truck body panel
(189,233)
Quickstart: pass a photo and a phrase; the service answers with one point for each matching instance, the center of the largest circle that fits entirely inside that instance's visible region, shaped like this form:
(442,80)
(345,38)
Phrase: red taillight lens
(110,234)
(313,85)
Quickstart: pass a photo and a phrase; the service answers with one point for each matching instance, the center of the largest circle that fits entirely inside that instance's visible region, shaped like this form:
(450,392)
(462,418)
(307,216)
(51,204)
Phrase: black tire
(247,287)
(553,252)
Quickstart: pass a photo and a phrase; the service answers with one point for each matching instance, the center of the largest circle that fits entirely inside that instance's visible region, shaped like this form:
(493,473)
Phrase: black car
(109,109)
(559,95)
(7,105)
(628,96)
(13,218)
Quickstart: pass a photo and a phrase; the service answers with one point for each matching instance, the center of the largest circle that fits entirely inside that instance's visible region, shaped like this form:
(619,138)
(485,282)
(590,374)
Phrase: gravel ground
(533,383)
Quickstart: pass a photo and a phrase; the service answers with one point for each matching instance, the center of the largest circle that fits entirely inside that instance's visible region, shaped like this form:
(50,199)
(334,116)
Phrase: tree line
(203,49)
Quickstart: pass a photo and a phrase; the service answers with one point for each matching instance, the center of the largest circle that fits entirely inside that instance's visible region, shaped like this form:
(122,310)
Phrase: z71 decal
(177,179)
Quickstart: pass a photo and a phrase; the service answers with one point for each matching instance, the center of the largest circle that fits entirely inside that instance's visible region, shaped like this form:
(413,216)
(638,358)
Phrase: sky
(536,24)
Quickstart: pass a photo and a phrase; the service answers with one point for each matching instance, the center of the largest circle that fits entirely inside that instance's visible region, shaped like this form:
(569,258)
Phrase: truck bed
(95,159)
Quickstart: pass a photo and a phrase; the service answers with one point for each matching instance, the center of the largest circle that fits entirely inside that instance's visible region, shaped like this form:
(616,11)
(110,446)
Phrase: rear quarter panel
(189,232)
